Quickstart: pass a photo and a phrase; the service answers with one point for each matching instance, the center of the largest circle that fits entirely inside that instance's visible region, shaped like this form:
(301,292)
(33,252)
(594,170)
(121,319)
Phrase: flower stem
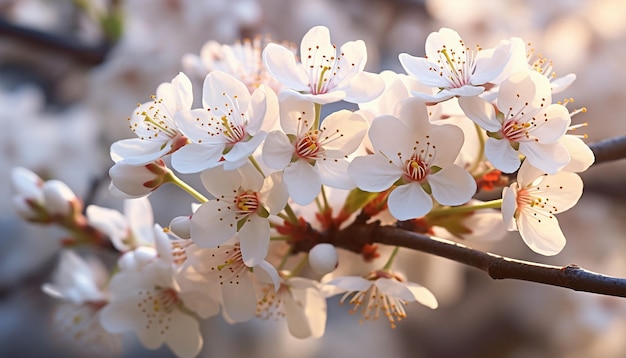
(256,165)
(172,178)
(326,206)
(493,204)
(291,215)
(318,110)
(387,266)
(300,266)
(283,261)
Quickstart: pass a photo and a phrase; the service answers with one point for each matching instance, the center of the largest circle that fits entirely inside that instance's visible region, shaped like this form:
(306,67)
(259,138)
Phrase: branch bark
(498,267)
(609,149)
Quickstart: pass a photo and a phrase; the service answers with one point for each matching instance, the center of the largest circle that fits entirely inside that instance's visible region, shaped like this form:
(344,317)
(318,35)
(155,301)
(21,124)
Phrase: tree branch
(498,267)
(609,149)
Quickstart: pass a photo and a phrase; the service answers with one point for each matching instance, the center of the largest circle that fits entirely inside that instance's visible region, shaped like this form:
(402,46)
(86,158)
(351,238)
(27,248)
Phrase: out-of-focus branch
(87,54)
(498,267)
(609,149)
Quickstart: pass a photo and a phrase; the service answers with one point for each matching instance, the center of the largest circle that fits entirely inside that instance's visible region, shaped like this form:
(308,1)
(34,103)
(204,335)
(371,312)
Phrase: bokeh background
(72,71)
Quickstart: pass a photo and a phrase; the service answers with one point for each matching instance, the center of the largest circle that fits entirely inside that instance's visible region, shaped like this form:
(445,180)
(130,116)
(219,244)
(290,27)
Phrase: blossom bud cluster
(418,149)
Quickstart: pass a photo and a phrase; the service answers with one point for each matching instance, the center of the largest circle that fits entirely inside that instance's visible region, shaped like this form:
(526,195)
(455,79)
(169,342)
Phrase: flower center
(247,203)
(456,68)
(373,301)
(229,265)
(415,168)
(309,147)
(517,132)
(234,133)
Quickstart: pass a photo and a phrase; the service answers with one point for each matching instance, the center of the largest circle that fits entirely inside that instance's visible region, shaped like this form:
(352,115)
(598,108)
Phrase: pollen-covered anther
(309,147)
(247,202)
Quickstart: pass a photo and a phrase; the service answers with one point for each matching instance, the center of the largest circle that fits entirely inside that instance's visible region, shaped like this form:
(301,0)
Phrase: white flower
(242,60)
(381,292)
(453,68)
(224,271)
(244,200)
(147,299)
(312,157)
(133,229)
(525,121)
(530,206)
(300,302)
(227,130)
(28,199)
(134,181)
(416,157)
(59,199)
(81,284)
(153,123)
(324,74)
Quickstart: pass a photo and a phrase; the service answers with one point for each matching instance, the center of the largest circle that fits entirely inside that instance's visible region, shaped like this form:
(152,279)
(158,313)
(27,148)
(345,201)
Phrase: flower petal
(409,201)
(223,93)
(373,173)
(542,234)
(363,87)
(549,157)
(212,224)
(194,158)
(254,237)
(500,153)
(280,62)
(303,182)
(489,67)
(277,150)
(422,69)
(452,185)
(481,112)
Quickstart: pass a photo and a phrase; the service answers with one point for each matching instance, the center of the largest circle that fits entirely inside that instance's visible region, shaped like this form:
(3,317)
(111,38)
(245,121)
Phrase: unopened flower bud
(138,180)
(181,226)
(323,258)
(28,198)
(60,199)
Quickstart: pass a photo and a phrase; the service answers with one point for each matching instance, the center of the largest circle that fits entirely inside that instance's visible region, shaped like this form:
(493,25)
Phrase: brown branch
(498,267)
(609,149)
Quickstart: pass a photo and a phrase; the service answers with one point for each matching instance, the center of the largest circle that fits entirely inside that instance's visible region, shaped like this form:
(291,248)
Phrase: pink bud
(60,199)
(323,258)
(138,180)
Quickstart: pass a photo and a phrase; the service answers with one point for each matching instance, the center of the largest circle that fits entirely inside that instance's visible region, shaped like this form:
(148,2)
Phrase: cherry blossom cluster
(279,178)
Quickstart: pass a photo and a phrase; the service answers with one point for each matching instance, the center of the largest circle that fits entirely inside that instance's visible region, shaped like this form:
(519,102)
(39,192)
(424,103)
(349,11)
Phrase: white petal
(194,158)
(452,185)
(448,140)
(277,150)
(297,113)
(409,201)
(312,303)
(422,295)
(509,206)
(303,182)
(239,300)
(373,173)
(542,234)
(224,91)
(212,224)
(390,136)
(351,283)
(581,156)
(136,151)
(481,112)
(364,86)
(345,131)
(521,88)
(218,181)
(140,219)
(500,153)
(563,190)
(549,157)
(552,123)
(257,110)
(184,336)
(562,83)
(280,62)
(243,150)
(488,68)
(254,237)
(334,173)
(274,194)
(421,69)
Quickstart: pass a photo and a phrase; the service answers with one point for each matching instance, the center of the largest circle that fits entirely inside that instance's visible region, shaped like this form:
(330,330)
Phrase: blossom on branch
(324,74)
(530,206)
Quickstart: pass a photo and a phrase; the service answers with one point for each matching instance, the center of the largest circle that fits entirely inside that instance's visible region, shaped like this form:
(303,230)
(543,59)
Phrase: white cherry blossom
(222,269)
(324,74)
(227,130)
(243,202)
(416,158)
(452,67)
(126,231)
(312,157)
(524,121)
(299,301)
(530,206)
(153,123)
(381,292)
(134,181)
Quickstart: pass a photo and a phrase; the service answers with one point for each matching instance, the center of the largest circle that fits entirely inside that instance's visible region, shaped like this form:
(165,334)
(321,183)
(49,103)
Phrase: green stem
(172,178)
(284,260)
(280,238)
(326,206)
(318,111)
(493,204)
(256,165)
(300,266)
(292,217)
(387,266)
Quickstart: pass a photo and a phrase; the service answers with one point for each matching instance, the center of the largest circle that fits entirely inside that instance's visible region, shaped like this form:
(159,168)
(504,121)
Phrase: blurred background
(72,71)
